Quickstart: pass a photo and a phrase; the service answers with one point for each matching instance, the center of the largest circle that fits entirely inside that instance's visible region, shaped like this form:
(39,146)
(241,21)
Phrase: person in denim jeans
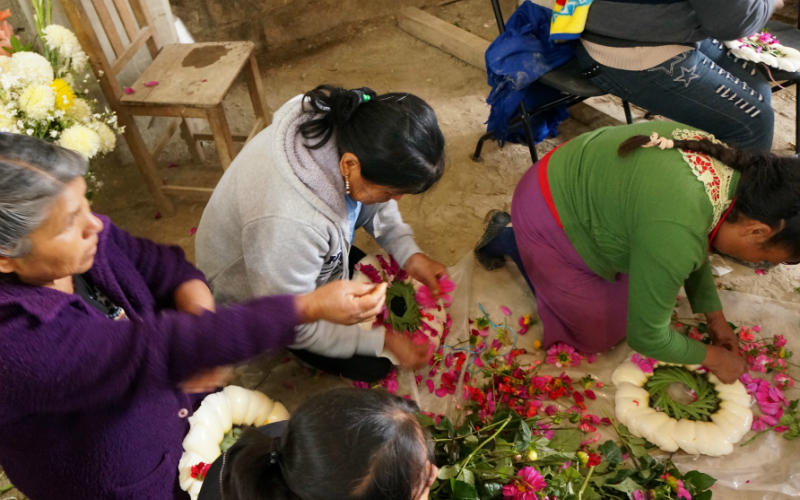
(657,54)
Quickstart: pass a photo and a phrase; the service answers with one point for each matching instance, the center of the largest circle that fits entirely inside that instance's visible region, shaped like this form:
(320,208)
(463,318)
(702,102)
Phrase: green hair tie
(366,97)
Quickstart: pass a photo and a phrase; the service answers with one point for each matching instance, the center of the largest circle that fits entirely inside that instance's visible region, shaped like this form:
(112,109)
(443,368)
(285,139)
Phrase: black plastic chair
(567,79)
(789,36)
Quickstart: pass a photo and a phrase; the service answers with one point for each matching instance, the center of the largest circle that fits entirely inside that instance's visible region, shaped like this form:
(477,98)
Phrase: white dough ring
(789,62)
(217,415)
(716,438)
(380,268)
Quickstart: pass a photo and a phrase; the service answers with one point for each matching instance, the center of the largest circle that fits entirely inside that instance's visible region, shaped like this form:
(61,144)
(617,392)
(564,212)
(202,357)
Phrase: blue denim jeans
(706,88)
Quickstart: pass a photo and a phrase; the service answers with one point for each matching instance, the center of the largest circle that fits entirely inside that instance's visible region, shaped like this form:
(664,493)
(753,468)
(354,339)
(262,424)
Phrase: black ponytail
(768,190)
(251,470)
(347,444)
(395,137)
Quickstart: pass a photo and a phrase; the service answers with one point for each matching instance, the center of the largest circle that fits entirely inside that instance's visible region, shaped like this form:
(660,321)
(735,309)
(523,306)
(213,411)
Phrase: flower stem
(586,481)
(757,434)
(469,457)
(624,443)
(6,489)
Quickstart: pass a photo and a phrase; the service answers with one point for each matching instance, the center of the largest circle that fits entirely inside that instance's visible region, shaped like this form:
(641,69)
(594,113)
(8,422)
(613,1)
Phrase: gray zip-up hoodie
(277,224)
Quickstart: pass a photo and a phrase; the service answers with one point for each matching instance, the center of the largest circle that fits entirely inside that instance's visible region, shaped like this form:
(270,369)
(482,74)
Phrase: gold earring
(347,184)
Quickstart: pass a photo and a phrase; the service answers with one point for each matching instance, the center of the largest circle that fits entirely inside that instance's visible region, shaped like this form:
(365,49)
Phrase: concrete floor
(448,219)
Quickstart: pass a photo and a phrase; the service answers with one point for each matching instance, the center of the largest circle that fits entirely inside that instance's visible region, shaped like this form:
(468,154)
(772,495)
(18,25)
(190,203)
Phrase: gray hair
(32,175)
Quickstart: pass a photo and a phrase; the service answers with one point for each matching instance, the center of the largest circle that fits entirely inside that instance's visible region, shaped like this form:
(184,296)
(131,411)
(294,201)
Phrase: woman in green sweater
(607,229)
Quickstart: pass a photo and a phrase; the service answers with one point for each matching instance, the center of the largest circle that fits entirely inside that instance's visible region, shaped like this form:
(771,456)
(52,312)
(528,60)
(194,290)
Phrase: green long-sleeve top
(646,215)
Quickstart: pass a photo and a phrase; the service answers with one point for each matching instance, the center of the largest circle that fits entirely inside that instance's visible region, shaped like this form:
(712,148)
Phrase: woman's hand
(721,333)
(408,353)
(342,302)
(207,380)
(427,271)
(194,297)
(727,366)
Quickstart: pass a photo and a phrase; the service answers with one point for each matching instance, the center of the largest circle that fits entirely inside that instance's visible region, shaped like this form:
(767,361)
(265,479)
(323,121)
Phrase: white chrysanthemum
(80,111)
(61,39)
(37,101)
(108,140)
(5,61)
(27,68)
(7,123)
(82,139)
(79,60)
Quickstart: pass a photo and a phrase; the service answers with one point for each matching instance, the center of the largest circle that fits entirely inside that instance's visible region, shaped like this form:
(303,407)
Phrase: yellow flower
(65,97)
(80,111)
(7,123)
(82,139)
(537,344)
(583,457)
(108,140)
(526,320)
(37,101)
(532,456)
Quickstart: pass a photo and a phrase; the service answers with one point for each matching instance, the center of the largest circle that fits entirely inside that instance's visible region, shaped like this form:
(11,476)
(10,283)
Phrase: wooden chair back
(139,29)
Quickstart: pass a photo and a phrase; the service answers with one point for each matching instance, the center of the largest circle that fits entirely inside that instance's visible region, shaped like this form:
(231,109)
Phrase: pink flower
(360,385)
(590,394)
(129,90)
(759,363)
(760,272)
(425,297)
(192,231)
(550,410)
(591,358)
(764,422)
(779,340)
(639,495)
(746,334)
(772,409)
(562,355)
(757,328)
(370,272)
(776,396)
(391,386)
(645,364)
(783,380)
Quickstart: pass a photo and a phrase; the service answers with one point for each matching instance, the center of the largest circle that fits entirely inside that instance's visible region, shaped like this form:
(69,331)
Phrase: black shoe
(494,222)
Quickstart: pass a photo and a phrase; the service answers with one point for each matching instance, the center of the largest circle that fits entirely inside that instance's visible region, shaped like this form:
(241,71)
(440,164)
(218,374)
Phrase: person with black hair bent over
(283,217)
(609,226)
(343,444)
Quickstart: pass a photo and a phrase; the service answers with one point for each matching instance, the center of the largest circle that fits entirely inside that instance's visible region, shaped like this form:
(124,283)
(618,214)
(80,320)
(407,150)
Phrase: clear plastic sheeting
(768,468)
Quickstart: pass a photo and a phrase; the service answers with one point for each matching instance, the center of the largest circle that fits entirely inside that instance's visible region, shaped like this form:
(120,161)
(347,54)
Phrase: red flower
(200,470)
(594,459)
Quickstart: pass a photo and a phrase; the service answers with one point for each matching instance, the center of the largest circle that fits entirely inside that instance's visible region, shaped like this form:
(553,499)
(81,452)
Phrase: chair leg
(145,162)
(256,88)
(222,135)
(195,148)
(628,116)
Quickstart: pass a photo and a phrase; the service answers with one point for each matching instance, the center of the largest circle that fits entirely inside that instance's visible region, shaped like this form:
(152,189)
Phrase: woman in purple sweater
(100,330)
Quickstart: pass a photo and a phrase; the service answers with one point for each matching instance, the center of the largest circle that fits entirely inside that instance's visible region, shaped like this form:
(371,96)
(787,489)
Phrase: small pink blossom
(644,363)
(590,394)
(550,410)
(759,363)
(561,354)
(360,385)
(591,358)
(505,310)
(151,84)
(192,231)
(760,272)
(129,90)
(746,334)
(779,340)
(757,328)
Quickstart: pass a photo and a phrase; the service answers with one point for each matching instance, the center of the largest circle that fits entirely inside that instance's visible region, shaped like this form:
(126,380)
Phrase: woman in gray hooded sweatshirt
(283,217)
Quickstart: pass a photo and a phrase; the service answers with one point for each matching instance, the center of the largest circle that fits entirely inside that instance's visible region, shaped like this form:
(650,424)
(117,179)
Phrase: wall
(284,26)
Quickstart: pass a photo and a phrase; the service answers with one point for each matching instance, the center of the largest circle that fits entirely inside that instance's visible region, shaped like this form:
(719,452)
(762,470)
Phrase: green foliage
(706,404)
(411,319)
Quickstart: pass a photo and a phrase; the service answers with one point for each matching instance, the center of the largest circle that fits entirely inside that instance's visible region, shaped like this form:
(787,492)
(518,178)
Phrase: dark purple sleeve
(163,267)
(78,362)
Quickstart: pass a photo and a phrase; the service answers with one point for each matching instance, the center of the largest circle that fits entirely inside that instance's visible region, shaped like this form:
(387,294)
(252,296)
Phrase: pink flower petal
(760,272)
(441,392)
(172,165)
(151,84)
(129,90)
(505,310)
(429,383)
(192,231)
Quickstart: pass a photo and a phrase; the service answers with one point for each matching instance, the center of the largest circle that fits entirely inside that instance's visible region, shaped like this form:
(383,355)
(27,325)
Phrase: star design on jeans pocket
(687,72)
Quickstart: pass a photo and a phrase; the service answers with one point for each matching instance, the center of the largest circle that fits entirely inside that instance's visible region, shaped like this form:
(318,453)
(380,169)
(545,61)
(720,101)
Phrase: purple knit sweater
(88,406)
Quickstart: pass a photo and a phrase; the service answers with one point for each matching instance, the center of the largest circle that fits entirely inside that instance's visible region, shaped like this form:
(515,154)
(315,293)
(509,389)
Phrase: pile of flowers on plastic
(38,95)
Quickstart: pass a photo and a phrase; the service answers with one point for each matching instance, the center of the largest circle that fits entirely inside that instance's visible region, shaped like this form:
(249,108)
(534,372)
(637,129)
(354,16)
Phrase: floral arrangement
(766,357)
(765,48)
(37,94)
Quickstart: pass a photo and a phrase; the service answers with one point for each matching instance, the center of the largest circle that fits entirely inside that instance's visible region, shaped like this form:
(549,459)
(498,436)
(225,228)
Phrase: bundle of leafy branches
(509,457)
(706,400)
